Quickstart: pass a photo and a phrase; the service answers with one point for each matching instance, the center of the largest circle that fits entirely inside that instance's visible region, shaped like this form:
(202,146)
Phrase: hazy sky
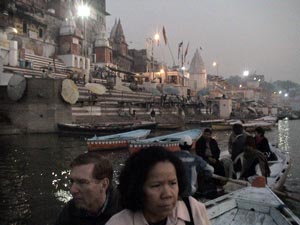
(258,35)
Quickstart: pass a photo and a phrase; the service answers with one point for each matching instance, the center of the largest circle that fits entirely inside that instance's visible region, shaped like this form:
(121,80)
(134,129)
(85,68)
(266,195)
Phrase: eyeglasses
(83,182)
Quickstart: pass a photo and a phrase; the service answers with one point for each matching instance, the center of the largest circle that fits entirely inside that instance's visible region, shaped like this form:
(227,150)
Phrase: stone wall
(40,108)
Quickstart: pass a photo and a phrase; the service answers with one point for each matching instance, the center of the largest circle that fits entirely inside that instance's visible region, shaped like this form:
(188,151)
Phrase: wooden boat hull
(221,127)
(250,205)
(107,145)
(170,142)
(103,128)
(279,168)
(116,141)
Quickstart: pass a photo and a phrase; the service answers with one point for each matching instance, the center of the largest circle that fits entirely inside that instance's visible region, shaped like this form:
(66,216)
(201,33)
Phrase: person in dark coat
(236,144)
(262,144)
(207,147)
(94,198)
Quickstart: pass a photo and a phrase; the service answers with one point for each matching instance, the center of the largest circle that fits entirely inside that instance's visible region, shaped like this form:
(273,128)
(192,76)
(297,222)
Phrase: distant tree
(267,87)
(234,80)
(286,85)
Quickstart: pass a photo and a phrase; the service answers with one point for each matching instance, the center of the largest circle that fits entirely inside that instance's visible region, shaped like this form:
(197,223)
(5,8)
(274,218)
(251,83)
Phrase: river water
(34,168)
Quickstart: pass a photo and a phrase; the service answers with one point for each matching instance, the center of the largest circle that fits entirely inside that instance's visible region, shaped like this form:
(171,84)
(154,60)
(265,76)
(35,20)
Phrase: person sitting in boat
(262,144)
(152,186)
(254,162)
(94,198)
(236,144)
(207,147)
(195,166)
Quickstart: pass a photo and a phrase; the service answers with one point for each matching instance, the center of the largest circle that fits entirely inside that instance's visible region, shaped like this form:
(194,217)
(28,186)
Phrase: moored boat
(250,125)
(109,127)
(116,141)
(170,141)
(250,205)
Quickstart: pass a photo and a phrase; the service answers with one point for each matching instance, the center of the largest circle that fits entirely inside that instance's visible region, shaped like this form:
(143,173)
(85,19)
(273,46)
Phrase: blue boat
(116,141)
(170,141)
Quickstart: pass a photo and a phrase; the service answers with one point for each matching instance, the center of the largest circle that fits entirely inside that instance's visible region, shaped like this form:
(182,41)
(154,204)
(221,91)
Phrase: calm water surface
(34,168)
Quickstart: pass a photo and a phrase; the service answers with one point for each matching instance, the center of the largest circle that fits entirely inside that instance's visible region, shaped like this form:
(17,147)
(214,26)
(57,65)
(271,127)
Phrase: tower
(198,75)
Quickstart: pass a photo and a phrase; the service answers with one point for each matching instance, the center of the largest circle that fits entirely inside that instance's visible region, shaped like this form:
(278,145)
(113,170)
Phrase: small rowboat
(250,205)
(279,168)
(170,142)
(116,141)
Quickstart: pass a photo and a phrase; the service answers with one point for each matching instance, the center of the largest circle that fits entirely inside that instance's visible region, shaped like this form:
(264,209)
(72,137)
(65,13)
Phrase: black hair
(237,128)
(208,130)
(135,173)
(260,130)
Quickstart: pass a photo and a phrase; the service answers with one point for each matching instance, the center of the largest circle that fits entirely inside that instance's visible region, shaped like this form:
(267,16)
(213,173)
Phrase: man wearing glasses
(94,199)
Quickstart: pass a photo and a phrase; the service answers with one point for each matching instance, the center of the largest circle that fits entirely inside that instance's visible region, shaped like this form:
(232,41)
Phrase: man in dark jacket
(262,144)
(207,147)
(237,140)
(94,199)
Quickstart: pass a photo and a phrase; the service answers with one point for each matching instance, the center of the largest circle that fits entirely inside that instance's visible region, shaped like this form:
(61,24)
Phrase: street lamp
(84,11)
(215,64)
(246,73)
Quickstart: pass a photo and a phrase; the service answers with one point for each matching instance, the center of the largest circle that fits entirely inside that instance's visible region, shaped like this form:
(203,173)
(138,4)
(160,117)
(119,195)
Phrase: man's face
(88,193)
(207,135)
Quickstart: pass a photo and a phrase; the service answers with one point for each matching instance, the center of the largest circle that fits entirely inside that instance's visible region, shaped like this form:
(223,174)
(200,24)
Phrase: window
(41,33)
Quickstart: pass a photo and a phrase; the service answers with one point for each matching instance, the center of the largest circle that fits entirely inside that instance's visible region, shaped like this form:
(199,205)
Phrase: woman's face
(160,192)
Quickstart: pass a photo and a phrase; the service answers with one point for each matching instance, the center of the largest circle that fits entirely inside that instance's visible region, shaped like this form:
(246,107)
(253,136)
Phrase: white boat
(279,168)
(250,205)
(252,124)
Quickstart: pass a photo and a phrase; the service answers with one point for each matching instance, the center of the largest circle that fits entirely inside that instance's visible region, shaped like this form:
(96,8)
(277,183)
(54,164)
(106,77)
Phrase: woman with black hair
(151,188)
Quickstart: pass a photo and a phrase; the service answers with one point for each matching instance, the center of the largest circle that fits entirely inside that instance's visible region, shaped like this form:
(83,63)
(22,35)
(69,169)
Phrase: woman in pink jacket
(151,187)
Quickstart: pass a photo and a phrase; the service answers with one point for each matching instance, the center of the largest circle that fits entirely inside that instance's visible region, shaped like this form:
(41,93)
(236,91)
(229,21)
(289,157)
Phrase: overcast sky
(261,36)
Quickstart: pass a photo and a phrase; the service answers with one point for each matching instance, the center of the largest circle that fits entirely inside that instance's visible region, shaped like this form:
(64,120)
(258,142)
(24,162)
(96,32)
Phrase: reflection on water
(283,134)
(34,171)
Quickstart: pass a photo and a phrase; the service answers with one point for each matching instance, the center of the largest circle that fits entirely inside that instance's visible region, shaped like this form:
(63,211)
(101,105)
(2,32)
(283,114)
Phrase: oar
(286,195)
(226,179)
(245,183)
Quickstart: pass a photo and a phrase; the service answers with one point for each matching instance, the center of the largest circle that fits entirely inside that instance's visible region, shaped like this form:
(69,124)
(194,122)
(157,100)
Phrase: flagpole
(171,54)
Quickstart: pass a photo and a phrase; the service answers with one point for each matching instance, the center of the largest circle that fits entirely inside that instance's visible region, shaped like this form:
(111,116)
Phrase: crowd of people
(159,187)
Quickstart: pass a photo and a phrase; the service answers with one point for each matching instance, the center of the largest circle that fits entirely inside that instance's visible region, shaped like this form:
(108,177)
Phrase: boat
(251,125)
(170,141)
(269,119)
(115,141)
(206,123)
(250,205)
(279,168)
(89,128)
(168,126)
(226,125)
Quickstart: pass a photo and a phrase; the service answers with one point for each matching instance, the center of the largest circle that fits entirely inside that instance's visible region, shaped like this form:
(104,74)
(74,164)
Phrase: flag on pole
(179,47)
(165,36)
(186,51)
